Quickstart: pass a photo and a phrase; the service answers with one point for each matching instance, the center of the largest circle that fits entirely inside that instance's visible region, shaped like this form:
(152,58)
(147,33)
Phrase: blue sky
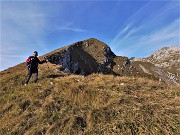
(133,28)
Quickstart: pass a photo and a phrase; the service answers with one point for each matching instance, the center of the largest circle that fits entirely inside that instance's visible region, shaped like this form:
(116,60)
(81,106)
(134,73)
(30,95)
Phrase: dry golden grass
(96,104)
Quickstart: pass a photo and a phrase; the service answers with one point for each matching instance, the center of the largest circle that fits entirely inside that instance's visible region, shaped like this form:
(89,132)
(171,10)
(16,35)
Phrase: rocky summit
(84,58)
(93,56)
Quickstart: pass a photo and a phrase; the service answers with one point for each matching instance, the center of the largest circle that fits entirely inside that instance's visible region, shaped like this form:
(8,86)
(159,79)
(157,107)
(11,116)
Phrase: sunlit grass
(96,104)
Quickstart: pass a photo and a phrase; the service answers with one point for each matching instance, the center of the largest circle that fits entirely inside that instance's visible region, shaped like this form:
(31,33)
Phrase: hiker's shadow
(54,76)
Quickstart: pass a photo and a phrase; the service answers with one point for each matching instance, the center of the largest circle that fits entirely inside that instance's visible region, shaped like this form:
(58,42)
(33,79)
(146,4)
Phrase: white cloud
(22,31)
(27,26)
(147,44)
(142,39)
(71,28)
(21,24)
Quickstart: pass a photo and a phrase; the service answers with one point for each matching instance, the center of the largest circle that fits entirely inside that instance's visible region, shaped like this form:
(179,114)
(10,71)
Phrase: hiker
(32,65)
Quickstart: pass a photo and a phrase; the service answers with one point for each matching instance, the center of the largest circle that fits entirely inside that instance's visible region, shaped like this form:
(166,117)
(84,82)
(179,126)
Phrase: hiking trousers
(30,72)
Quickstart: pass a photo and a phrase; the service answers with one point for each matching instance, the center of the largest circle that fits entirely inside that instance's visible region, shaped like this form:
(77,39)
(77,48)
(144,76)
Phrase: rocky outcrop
(84,58)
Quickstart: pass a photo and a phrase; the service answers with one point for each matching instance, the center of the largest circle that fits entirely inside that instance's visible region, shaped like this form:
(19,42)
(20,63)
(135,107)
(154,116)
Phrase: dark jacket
(32,63)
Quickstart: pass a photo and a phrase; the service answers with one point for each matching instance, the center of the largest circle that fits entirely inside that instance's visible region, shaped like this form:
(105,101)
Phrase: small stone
(121,84)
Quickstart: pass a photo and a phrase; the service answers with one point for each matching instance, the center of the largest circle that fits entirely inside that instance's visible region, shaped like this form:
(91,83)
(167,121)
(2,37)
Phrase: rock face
(93,56)
(85,57)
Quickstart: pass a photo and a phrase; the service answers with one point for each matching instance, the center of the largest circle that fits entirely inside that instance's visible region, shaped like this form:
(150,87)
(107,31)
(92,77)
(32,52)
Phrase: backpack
(29,62)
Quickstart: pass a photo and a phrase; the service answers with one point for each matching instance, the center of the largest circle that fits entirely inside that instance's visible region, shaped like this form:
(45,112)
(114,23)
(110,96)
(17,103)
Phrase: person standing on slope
(32,65)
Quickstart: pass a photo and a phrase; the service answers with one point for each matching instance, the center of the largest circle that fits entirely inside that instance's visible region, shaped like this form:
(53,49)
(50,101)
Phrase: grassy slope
(96,104)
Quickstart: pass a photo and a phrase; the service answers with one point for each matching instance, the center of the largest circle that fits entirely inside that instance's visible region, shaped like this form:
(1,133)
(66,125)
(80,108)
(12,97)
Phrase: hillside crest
(93,56)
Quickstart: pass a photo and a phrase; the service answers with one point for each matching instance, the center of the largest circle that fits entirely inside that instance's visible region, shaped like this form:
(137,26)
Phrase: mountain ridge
(100,59)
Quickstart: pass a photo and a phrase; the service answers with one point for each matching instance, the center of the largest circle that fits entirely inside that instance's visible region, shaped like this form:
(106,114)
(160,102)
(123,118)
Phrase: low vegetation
(96,104)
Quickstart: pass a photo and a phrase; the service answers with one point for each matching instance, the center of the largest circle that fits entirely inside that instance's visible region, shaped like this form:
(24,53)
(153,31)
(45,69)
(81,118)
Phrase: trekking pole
(46,62)
(47,65)
(51,82)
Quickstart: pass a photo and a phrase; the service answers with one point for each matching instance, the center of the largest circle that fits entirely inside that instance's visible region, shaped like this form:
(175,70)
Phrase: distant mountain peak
(167,57)
(166,63)
(165,52)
